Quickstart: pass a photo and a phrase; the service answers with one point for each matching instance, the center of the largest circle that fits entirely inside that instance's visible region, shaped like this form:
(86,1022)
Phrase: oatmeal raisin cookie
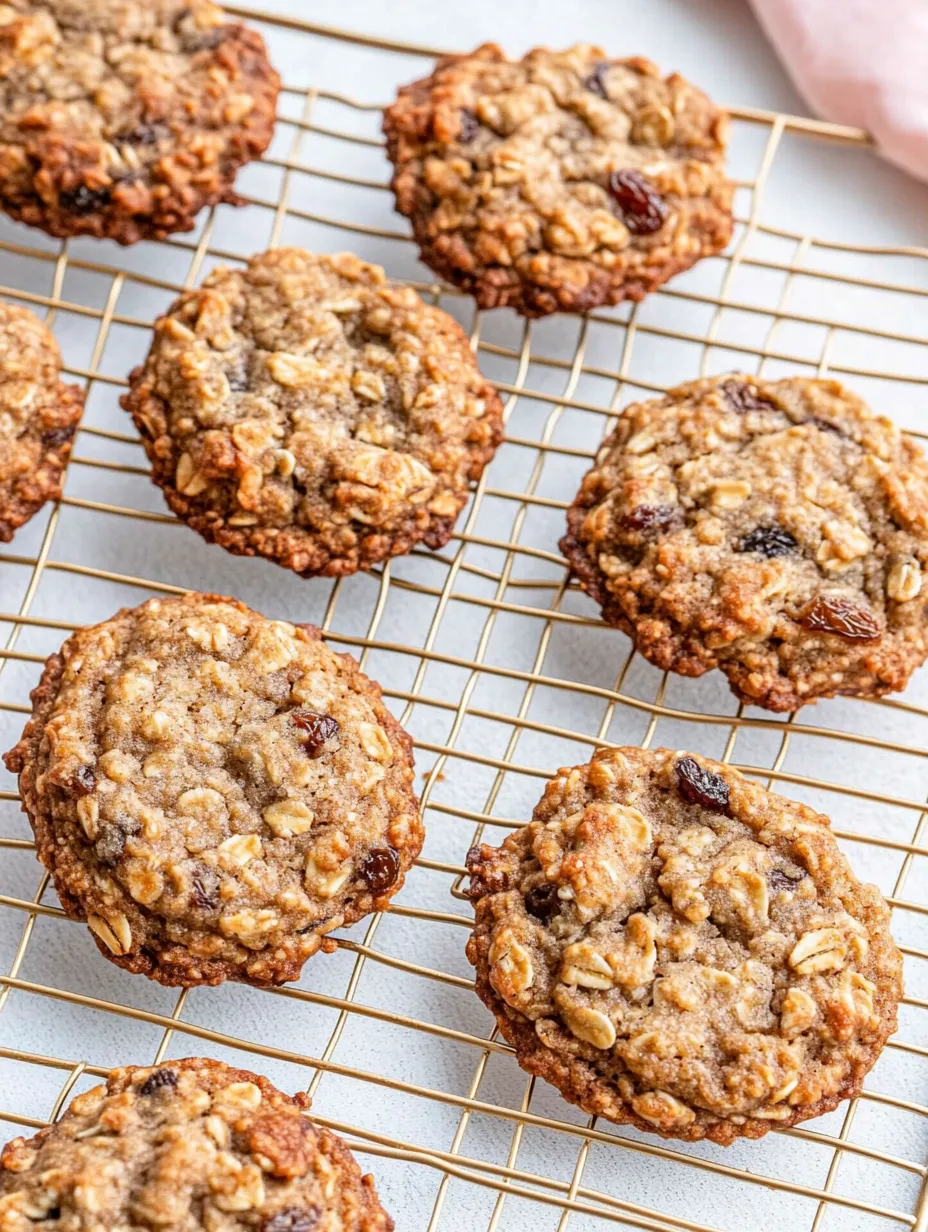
(215,792)
(38,418)
(674,947)
(122,119)
(305,410)
(561,181)
(777,530)
(187,1145)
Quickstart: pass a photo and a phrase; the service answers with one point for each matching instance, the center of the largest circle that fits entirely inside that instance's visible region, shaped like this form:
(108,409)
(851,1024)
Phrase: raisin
(318,728)
(542,901)
(769,541)
(110,846)
(112,841)
(841,616)
(238,381)
(193,43)
(824,426)
(699,786)
(293,1219)
(778,880)
(142,134)
(84,200)
(473,861)
(470,126)
(473,856)
(58,436)
(742,397)
(643,209)
(157,1081)
(649,517)
(205,889)
(379,869)
(596,82)
(49,1216)
(83,781)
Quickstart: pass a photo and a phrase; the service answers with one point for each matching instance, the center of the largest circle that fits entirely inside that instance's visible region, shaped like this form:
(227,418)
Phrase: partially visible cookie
(777,530)
(561,181)
(187,1145)
(214,792)
(305,410)
(674,947)
(122,120)
(38,418)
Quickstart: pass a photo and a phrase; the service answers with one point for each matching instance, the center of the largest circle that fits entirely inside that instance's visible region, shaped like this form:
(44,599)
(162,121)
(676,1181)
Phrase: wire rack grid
(499,667)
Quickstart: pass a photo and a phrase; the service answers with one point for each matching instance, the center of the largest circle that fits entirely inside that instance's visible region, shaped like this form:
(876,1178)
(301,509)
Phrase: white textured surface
(834,192)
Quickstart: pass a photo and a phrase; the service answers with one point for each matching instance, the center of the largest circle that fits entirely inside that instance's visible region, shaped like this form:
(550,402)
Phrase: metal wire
(539,597)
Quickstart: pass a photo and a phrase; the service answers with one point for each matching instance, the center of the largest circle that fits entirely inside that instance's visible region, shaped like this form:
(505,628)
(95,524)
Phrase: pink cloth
(860,62)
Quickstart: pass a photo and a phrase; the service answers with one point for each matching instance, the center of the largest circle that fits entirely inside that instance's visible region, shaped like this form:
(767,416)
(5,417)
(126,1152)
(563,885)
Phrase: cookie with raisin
(189,1144)
(215,792)
(39,415)
(305,410)
(123,120)
(676,948)
(777,530)
(561,181)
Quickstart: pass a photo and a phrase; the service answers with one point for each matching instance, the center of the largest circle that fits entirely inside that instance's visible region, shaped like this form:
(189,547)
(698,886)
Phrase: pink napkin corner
(862,63)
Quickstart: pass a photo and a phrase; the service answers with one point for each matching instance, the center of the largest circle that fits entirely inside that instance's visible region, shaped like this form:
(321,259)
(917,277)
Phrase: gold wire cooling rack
(495,647)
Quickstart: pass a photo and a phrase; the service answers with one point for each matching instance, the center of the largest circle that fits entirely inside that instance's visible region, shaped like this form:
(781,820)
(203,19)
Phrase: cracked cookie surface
(191,1145)
(561,181)
(674,947)
(305,410)
(122,120)
(777,530)
(38,418)
(213,791)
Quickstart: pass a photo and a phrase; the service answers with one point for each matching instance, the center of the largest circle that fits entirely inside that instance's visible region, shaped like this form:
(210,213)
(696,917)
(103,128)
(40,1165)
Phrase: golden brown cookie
(305,410)
(674,947)
(188,1145)
(214,792)
(561,181)
(123,119)
(777,530)
(38,418)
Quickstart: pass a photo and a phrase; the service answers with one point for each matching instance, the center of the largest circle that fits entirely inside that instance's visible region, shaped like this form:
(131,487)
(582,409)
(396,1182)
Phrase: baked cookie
(190,1145)
(305,410)
(775,529)
(561,181)
(674,947)
(38,418)
(213,791)
(123,119)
